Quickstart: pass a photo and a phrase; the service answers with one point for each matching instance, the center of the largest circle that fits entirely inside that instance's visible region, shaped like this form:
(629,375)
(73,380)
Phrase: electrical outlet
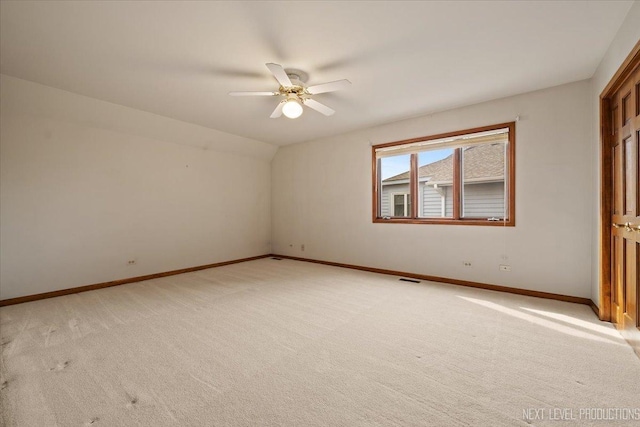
(466,263)
(504,267)
(132,262)
(302,247)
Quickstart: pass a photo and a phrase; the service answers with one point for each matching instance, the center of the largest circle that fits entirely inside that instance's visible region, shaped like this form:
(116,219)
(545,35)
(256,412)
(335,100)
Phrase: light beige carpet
(290,343)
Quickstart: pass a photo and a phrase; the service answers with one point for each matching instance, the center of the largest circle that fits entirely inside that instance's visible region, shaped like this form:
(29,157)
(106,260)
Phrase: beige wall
(322,199)
(87,185)
(621,46)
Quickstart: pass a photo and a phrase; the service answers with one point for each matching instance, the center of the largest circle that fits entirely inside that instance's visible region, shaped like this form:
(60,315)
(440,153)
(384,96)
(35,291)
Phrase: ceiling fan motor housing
(295,74)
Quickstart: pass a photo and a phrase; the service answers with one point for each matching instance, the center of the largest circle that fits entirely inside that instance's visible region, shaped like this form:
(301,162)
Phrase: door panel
(617,279)
(625,108)
(630,158)
(625,207)
(629,295)
(618,201)
(637,287)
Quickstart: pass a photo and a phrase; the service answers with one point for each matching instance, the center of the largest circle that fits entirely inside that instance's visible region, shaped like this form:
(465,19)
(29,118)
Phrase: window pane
(394,185)
(398,205)
(483,177)
(435,183)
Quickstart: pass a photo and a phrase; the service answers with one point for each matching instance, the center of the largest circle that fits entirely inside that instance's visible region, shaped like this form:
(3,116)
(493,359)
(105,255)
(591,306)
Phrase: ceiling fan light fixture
(292,108)
(296,92)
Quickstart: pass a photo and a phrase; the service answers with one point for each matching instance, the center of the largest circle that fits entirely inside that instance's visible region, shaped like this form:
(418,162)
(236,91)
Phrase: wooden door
(625,212)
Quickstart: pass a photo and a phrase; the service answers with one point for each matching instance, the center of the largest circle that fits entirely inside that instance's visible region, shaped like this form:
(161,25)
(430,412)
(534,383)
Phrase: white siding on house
(448,213)
(483,200)
(432,202)
(387,191)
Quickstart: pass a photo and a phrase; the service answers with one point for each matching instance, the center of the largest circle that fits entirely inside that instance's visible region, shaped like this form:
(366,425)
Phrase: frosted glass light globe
(292,109)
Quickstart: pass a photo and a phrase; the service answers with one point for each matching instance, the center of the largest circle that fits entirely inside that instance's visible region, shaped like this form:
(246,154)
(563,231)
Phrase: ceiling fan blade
(278,111)
(280,75)
(254,93)
(329,87)
(321,108)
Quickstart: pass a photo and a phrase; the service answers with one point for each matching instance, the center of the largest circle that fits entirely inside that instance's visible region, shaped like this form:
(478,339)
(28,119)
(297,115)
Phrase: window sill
(445,221)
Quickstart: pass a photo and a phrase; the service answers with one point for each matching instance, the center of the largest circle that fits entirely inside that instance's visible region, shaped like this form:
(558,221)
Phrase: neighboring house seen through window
(464,177)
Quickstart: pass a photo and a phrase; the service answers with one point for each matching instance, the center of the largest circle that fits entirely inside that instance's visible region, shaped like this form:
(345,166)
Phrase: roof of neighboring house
(480,161)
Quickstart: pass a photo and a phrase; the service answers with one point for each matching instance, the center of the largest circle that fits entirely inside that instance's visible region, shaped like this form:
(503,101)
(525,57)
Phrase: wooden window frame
(457,219)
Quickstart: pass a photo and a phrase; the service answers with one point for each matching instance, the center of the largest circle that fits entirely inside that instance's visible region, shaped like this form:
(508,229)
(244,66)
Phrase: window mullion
(457,189)
(413,185)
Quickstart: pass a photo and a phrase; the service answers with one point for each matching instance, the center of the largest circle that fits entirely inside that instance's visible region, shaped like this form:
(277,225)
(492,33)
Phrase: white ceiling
(180,59)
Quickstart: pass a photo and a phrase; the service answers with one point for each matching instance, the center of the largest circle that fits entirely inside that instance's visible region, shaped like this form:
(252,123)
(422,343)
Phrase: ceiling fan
(296,93)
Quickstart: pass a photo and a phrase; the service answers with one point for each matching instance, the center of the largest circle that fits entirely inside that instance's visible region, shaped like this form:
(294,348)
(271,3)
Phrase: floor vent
(402,279)
(277,259)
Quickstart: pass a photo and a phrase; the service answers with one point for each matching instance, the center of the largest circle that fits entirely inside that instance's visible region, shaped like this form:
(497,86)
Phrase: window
(464,177)
(401,204)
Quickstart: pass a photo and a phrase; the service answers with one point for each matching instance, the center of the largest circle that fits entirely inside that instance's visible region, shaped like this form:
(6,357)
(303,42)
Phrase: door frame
(606,178)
